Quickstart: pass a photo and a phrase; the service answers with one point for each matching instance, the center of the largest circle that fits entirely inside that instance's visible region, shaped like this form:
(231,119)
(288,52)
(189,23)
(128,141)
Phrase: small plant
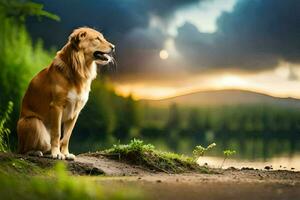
(4,131)
(199,150)
(227,153)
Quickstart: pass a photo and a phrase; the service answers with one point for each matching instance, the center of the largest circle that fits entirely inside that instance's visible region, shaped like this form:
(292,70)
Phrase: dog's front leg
(56,115)
(68,128)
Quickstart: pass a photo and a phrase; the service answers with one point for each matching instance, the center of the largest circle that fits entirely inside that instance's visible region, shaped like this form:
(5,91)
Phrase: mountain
(225,97)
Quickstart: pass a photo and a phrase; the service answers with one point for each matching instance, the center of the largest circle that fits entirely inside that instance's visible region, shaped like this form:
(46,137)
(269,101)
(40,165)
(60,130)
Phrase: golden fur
(57,94)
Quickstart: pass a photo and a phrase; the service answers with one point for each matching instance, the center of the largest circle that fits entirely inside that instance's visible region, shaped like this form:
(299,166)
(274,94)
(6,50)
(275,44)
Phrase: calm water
(257,153)
(278,162)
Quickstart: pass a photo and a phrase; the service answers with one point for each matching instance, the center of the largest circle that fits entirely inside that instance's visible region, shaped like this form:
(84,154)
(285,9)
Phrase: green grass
(18,167)
(17,182)
(4,131)
(146,155)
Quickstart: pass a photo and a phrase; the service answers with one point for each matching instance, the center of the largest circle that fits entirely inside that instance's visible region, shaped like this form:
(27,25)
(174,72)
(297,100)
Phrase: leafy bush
(4,131)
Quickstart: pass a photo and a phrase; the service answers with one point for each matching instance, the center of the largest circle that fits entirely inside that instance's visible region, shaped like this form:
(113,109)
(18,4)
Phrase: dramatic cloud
(258,34)
(127,23)
(251,34)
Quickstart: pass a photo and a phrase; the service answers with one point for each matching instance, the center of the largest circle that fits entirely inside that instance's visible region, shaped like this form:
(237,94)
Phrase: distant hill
(225,97)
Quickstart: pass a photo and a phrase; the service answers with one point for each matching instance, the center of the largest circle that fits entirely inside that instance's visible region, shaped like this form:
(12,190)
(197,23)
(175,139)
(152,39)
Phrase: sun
(163,54)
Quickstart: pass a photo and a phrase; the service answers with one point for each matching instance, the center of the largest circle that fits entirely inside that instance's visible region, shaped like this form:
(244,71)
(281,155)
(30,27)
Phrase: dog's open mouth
(105,59)
(102,56)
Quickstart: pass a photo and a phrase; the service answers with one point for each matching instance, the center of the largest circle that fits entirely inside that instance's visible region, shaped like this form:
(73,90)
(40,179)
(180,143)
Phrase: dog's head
(93,45)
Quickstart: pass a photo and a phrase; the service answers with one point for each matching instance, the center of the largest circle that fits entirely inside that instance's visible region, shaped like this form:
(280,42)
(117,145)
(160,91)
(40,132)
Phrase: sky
(171,47)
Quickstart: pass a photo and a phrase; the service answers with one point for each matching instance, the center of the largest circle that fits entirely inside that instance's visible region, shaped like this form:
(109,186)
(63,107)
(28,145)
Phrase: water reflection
(259,149)
(277,163)
(281,154)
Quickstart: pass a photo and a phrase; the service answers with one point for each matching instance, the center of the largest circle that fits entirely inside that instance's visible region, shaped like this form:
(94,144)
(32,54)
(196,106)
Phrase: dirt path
(187,187)
(115,168)
(225,184)
(86,164)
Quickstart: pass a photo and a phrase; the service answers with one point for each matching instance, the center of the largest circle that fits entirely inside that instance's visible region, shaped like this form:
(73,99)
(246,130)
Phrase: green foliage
(228,153)
(59,186)
(224,124)
(174,118)
(4,131)
(20,9)
(232,119)
(138,153)
(20,59)
(200,151)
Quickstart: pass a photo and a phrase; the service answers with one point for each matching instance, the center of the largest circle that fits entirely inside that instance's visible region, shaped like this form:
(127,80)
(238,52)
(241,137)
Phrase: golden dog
(57,94)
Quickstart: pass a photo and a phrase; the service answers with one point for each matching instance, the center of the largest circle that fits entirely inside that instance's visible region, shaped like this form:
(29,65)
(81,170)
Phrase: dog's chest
(75,102)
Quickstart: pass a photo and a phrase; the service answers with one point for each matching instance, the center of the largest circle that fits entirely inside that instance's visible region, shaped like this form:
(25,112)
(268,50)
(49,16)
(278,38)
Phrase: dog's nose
(112,47)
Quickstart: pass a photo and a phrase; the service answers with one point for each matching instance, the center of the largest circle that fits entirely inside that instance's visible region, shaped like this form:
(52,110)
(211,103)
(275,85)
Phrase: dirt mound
(146,156)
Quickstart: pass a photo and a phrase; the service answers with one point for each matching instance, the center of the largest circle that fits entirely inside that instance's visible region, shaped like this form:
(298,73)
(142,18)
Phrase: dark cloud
(256,35)
(166,8)
(114,17)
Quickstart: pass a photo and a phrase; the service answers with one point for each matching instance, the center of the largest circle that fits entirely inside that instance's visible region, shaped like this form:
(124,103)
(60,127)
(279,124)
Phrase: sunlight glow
(231,81)
(141,91)
(274,82)
(163,54)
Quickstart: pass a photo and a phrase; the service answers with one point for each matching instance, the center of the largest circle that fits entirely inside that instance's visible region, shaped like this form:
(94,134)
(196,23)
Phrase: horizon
(223,81)
(205,91)
(208,91)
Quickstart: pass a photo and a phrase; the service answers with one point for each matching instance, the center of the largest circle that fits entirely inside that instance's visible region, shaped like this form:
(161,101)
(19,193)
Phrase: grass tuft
(146,155)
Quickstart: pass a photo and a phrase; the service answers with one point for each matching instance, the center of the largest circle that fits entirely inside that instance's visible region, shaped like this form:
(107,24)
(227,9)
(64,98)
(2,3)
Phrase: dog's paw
(58,156)
(35,153)
(70,156)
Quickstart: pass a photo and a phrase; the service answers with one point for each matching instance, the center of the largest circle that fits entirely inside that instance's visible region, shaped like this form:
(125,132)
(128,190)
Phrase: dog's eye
(97,38)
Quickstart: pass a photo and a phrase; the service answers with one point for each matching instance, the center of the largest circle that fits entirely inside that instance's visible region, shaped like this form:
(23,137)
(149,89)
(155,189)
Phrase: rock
(231,168)
(247,168)
(268,167)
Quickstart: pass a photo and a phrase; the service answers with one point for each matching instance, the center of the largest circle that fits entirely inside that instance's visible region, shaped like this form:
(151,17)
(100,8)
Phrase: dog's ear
(76,37)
